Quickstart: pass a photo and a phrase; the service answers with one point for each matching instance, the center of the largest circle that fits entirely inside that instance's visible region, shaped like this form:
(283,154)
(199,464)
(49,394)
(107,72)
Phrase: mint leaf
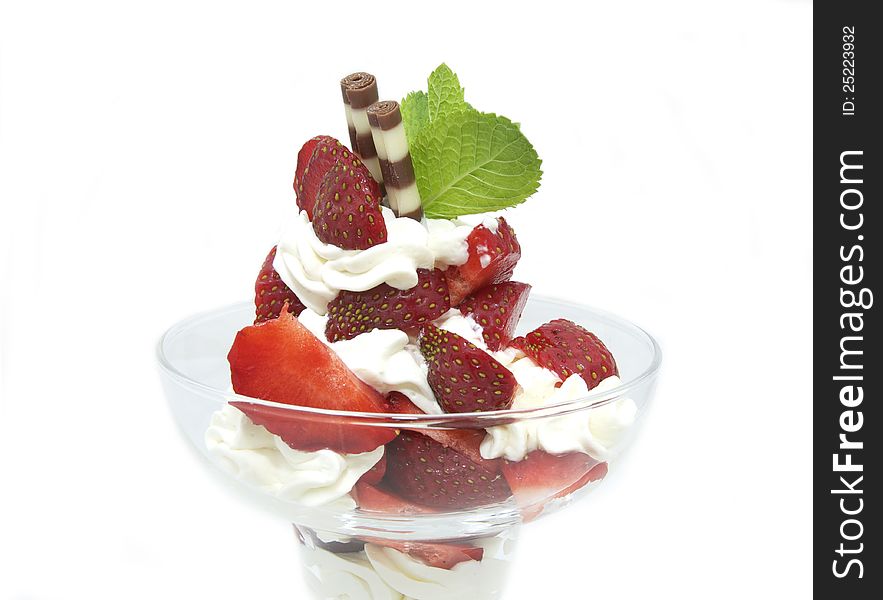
(415,114)
(445,94)
(470,162)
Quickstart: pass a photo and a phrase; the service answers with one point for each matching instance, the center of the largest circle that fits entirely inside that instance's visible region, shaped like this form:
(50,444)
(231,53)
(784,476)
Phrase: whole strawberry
(347,212)
(271,293)
(497,309)
(385,307)
(464,377)
(421,470)
(566,348)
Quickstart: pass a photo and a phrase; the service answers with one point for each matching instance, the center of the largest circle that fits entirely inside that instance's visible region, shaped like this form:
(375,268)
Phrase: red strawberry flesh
(271,293)
(464,377)
(492,258)
(423,471)
(497,309)
(465,441)
(371,498)
(375,474)
(440,556)
(281,361)
(324,152)
(566,348)
(306,191)
(347,212)
(541,476)
(385,307)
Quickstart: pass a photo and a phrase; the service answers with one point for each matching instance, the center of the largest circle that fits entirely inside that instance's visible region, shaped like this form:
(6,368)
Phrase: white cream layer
(257,457)
(592,431)
(317,271)
(348,576)
(380,573)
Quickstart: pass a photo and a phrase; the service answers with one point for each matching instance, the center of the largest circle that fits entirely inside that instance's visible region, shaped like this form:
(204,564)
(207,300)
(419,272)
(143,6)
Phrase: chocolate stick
(360,91)
(388,130)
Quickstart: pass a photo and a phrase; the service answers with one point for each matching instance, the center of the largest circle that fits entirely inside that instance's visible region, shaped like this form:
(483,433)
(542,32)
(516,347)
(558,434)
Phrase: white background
(145,152)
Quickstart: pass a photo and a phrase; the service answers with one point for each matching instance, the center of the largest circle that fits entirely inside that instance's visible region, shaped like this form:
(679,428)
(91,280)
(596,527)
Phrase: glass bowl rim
(446,420)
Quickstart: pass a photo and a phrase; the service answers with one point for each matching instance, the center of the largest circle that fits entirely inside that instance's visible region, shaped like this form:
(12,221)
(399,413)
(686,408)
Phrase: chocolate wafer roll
(395,160)
(359,91)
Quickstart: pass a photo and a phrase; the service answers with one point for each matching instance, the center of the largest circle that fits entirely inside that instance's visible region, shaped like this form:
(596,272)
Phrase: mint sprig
(465,161)
(472,162)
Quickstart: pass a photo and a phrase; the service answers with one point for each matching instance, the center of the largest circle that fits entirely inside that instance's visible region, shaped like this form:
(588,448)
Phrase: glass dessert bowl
(359,537)
(393,392)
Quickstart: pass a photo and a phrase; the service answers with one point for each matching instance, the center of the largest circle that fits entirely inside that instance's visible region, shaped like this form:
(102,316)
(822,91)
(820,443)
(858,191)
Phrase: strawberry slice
(281,361)
(347,212)
(566,348)
(421,470)
(542,477)
(371,498)
(465,441)
(385,307)
(271,293)
(464,377)
(497,308)
(492,258)
(375,473)
(440,556)
(314,160)
(306,197)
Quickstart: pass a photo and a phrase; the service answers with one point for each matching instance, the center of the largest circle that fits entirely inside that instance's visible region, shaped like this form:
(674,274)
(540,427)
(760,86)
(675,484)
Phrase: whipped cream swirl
(317,271)
(259,458)
(385,359)
(480,580)
(349,576)
(592,431)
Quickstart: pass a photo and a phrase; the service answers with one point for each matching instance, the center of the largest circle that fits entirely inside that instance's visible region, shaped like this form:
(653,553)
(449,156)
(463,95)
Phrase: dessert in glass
(392,392)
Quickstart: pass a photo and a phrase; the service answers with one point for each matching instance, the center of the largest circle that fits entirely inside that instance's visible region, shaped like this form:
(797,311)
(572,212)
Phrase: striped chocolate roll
(359,91)
(395,160)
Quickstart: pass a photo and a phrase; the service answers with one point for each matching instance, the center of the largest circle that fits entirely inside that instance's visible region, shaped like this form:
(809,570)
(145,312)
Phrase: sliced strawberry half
(385,307)
(281,361)
(375,474)
(371,498)
(492,258)
(421,470)
(542,477)
(347,212)
(464,377)
(566,348)
(497,308)
(271,293)
(306,188)
(465,441)
(440,556)
(314,160)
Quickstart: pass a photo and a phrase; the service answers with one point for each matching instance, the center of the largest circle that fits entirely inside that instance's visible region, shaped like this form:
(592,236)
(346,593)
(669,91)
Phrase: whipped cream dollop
(259,458)
(385,359)
(350,576)
(478,580)
(592,431)
(317,271)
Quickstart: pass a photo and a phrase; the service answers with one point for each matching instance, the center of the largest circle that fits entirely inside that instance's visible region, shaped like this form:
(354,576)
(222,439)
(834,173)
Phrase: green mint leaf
(445,94)
(470,162)
(415,114)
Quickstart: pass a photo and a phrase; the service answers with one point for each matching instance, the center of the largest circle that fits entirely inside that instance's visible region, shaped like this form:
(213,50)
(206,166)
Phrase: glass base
(377,568)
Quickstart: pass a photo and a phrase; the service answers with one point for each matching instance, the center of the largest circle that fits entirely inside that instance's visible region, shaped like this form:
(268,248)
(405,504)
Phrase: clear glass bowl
(338,561)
